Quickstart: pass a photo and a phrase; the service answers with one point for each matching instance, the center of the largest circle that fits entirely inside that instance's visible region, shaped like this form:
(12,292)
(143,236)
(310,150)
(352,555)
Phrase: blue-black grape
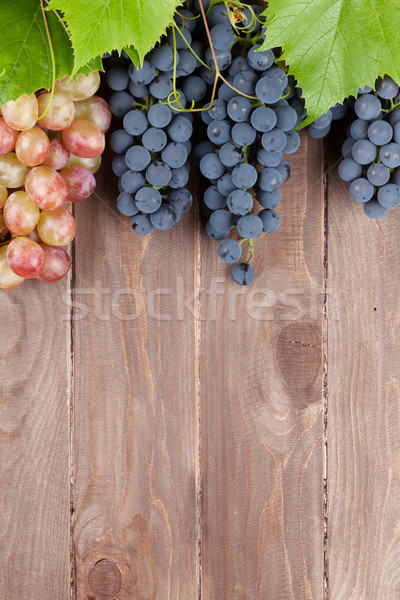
(270,220)
(142,224)
(174,155)
(217,110)
(180,129)
(194,88)
(120,141)
(261,61)
(158,174)
(364,152)
(239,109)
(243,134)
(349,170)
(250,226)
(374,210)
(274,140)
(368,107)
(118,78)
(229,251)
(201,149)
(159,115)
(161,87)
(121,103)
(216,235)
(244,176)
(213,198)
(269,199)
(285,170)
(361,190)
(148,199)
(211,166)
(139,90)
(245,82)
(180,199)
(165,217)
(269,179)
(137,158)
(163,58)
(126,205)
(221,220)
(240,202)
(219,132)
(269,88)
(179,177)
(222,36)
(380,132)
(225,184)
(243,274)
(263,119)
(119,165)
(230,154)
(386,88)
(389,195)
(286,118)
(268,159)
(132,181)
(377,174)
(145,74)
(292,142)
(359,129)
(135,122)
(390,155)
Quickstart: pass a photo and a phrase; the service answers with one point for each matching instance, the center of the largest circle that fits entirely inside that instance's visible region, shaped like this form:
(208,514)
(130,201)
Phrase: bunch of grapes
(50,146)
(371,152)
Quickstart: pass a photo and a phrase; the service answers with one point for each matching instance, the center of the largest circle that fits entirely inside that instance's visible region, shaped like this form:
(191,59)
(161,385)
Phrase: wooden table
(166,434)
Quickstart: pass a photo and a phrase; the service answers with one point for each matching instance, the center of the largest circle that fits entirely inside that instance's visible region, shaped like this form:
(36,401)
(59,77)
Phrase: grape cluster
(371,152)
(50,146)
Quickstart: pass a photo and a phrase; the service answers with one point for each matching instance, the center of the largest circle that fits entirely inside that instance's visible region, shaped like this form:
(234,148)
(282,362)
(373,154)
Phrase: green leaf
(105,25)
(333,47)
(133,55)
(25,57)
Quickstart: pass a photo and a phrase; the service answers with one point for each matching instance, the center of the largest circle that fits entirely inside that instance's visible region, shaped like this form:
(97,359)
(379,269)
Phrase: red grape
(83,138)
(8,279)
(32,147)
(61,112)
(46,188)
(21,113)
(8,137)
(20,213)
(56,227)
(80,88)
(25,257)
(80,183)
(94,109)
(58,155)
(3,195)
(56,264)
(12,171)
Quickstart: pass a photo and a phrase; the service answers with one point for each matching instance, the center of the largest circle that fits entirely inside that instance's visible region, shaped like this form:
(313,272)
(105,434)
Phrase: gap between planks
(325,374)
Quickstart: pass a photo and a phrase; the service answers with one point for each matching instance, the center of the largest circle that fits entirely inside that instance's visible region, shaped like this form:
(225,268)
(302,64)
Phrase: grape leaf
(25,59)
(105,25)
(333,47)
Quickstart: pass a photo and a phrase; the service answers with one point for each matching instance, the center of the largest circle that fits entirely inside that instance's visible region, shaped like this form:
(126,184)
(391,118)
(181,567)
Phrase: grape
(226,93)
(60,114)
(361,190)
(121,141)
(119,165)
(243,274)
(148,200)
(46,188)
(395,175)
(21,113)
(12,171)
(364,152)
(165,217)
(154,139)
(317,133)
(230,154)
(339,111)
(229,251)
(187,63)
(243,134)
(292,142)
(286,118)
(179,41)
(263,119)
(389,195)
(374,210)
(225,184)
(80,88)
(269,88)
(211,167)
(359,129)
(217,14)
(396,135)
(174,155)
(285,170)
(347,146)
(20,213)
(179,177)
(269,179)
(56,264)
(138,90)
(268,159)
(121,103)
(132,181)
(368,107)
(145,74)
(80,183)
(240,202)
(239,109)
(224,59)
(159,115)
(349,170)
(250,23)
(161,87)
(213,198)
(126,204)
(58,155)
(194,88)
(205,115)
(394,117)
(274,140)
(244,176)
(261,61)
(217,110)
(142,224)
(201,149)
(245,82)
(219,132)
(92,164)
(185,19)
(380,132)
(365,90)
(25,257)
(94,109)
(389,155)
(8,279)
(323,121)
(83,138)
(158,174)
(8,137)
(180,199)
(269,199)
(32,147)
(138,158)
(178,103)
(250,226)
(377,174)
(386,88)
(270,220)
(216,235)
(3,195)
(163,58)
(135,122)
(221,221)
(222,36)
(56,227)
(180,129)
(198,48)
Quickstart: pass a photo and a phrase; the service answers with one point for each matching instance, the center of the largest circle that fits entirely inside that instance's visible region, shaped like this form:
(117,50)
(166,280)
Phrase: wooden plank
(136,413)
(262,408)
(34,441)
(363,401)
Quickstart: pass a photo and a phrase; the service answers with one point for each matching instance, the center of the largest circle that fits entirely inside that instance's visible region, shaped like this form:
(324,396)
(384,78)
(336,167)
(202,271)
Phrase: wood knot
(299,355)
(105,579)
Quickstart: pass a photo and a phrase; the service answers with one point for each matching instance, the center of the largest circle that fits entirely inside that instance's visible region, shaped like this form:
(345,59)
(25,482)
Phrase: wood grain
(262,408)
(136,412)
(363,403)
(34,442)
